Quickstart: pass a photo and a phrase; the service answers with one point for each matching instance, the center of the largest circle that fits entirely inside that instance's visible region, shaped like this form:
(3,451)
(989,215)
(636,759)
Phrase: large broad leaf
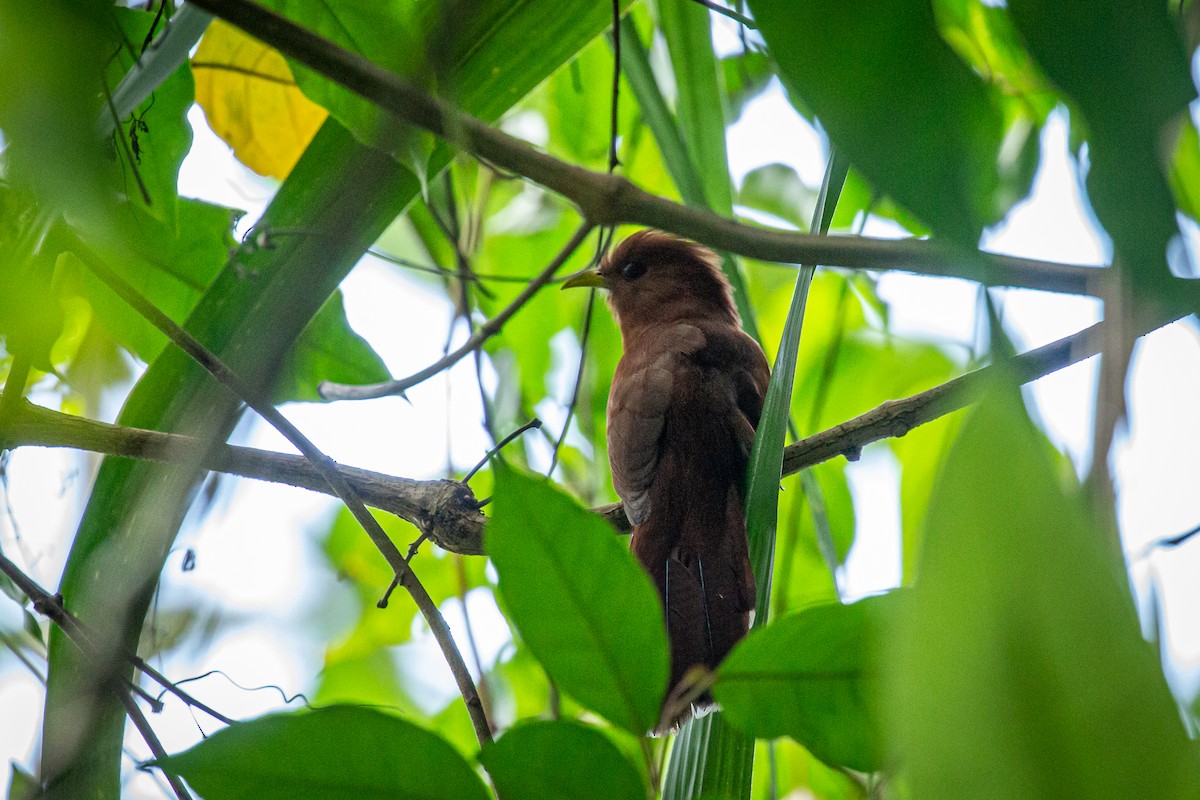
(336,752)
(699,106)
(1020,671)
(560,760)
(905,110)
(580,600)
(810,676)
(1123,63)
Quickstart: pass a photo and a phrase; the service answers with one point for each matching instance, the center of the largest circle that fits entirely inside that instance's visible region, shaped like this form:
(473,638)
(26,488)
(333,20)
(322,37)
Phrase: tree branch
(52,608)
(610,199)
(447,512)
(440,509)
(323,465)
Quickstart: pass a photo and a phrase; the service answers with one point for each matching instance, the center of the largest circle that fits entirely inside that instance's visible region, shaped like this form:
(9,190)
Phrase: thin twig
(337,391)
(741,19)
(323,465)
(616,86)
(120,134)
(51,607)
(584,336)
(143,725)
(533,424)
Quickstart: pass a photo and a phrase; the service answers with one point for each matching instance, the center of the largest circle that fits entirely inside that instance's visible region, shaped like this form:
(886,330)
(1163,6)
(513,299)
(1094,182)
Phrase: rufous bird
(684,404)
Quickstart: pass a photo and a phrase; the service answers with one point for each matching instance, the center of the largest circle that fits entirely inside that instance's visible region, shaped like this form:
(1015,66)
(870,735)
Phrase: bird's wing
(637,408)
(750,381)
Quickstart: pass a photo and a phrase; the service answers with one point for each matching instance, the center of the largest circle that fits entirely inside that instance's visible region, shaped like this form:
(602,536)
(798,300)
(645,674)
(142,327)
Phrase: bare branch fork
(605,199)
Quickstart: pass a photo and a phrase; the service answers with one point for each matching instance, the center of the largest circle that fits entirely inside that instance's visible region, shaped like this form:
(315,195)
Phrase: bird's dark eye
(633,270)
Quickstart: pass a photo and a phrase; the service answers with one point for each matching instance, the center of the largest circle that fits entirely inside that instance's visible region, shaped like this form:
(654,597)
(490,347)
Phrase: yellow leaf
(251,100)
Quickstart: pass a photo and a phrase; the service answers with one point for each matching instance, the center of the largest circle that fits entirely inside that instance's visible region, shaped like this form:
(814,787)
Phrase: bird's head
(655,278)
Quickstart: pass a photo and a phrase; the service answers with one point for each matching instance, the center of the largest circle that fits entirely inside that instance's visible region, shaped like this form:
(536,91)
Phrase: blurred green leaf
(1185,171)
(368,679)
(328,350)
(792,771)
(700,98)
(859,197)
(523,253)
(577,105)
(809,676)
(745,75)
(1021,641)
(580,601)
(49,103)
(921,453)
(561,760)
(802,577)
(1124,66)
(170,265)
(915,120)
(985,37)
(356,559)
(335,752)
(31,317)
(777,190)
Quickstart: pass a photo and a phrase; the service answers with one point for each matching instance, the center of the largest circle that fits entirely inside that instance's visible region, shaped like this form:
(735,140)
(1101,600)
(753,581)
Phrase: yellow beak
(588,277)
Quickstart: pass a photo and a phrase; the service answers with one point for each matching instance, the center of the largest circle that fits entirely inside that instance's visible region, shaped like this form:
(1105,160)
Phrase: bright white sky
(257,560)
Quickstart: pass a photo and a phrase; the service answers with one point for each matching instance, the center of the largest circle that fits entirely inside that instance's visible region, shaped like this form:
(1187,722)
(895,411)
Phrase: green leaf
(778,190)
(21,785)
(580,600)
(334,752)
(31,316)
(745,75)
(635,64)
(809,676)
(802,575)
(170,265)
(918,123)
(1185,171)
(560,760)
(1124,66)
(1021,641)
(49,102)
(700,101)
(156,132)
(328,350)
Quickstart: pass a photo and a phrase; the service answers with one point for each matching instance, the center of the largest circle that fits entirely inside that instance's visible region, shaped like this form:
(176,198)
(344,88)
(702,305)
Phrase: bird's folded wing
(637,409)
